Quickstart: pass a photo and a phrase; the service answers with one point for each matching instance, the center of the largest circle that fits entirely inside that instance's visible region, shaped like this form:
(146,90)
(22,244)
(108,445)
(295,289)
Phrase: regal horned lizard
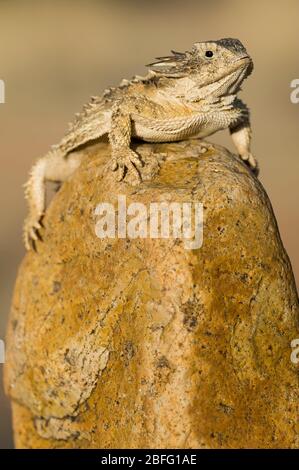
(184,95)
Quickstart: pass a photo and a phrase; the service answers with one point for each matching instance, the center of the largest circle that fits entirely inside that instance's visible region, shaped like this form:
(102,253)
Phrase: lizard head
(217,68)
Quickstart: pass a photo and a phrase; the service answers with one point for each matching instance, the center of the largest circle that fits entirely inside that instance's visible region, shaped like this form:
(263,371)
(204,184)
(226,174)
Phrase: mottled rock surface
(144,343)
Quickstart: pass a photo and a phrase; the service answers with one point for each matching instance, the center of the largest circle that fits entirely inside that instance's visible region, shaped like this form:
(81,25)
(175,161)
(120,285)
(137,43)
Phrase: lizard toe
(251,161)
(114,164)
(136,160)
(135,176)
(27,242)
(33,234)
(32,227)
(121,172)
(128,163)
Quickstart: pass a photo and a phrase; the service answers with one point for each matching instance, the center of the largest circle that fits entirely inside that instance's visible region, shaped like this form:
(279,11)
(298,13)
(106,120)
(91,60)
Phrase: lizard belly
(215,122)
(155,130)
(208,128)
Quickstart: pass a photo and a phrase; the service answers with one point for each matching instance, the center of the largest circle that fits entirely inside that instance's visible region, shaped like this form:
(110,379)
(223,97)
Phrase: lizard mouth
(243,58)
(242,68)
(245,62)
(229,83)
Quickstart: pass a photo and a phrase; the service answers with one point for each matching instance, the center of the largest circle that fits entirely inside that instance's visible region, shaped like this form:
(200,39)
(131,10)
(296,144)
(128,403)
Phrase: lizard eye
(209,54)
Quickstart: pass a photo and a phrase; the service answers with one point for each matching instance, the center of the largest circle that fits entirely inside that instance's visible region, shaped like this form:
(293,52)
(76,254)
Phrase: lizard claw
(250,161)
(32,226)
(130,162)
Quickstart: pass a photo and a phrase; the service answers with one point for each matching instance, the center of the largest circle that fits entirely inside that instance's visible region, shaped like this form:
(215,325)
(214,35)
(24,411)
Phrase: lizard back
(94,120)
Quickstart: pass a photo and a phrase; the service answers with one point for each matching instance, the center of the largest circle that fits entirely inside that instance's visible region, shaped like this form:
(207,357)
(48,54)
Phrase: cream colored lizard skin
(184,95)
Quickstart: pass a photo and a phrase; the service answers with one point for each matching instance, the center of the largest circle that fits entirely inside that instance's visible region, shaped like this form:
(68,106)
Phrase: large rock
(144,343)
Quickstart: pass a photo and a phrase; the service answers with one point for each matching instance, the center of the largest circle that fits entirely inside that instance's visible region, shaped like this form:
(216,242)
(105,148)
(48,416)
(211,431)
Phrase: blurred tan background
(54,54)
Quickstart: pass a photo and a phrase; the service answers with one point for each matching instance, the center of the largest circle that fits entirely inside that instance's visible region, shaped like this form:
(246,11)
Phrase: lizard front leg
(54,166)
(241,135)
(123,158)
(124,112)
